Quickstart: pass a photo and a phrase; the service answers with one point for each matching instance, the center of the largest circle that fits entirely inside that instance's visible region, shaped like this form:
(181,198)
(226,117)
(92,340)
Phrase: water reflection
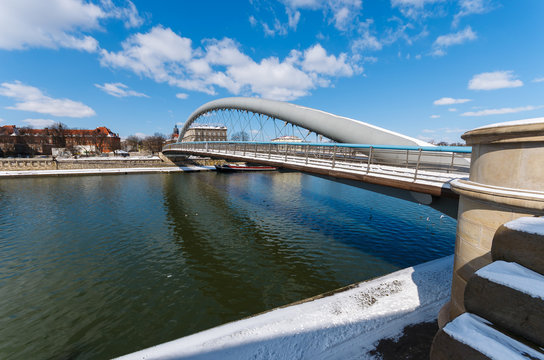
(96,267)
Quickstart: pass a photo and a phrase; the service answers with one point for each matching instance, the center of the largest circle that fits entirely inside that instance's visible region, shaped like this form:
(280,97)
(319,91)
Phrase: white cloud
(277,29)
(366,40)
(501,111)
(317,60)
(450,101)
(182,96)
(494,80)
(2,120)
(458,38)
(119,90)
(57,23)
(167,57)
(537,80)
(154,54)
(252,20)
(128,14)
(40,123)
(339,12)
(434,116)
(452,109)
(273,79)
(413,8)
(32,99)
(469,7)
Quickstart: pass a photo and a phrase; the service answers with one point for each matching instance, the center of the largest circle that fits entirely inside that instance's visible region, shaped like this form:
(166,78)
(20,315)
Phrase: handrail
(450,149)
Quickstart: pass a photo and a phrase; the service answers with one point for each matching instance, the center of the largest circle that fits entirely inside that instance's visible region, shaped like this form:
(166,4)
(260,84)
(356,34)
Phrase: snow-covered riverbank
(104,171)
(344,325)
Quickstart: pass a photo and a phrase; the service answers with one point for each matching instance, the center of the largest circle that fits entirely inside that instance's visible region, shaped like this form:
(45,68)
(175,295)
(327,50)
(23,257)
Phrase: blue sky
(431,69)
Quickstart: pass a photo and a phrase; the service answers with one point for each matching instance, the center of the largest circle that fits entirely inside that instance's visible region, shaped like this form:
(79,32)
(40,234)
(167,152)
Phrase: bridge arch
(338,128)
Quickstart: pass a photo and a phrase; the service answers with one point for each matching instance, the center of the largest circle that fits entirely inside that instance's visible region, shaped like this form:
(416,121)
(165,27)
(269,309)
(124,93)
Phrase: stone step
(511,297)
(521,241)
(470,337)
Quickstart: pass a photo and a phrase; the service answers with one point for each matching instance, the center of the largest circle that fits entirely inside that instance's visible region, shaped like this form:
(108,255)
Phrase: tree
(155,142)
(133,143)
(240,136)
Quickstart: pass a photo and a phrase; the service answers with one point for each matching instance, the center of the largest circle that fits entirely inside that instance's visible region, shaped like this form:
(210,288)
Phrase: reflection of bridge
(404,167)
(426,181)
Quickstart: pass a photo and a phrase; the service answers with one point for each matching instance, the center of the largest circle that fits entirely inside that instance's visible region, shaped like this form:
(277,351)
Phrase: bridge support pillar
(506,182)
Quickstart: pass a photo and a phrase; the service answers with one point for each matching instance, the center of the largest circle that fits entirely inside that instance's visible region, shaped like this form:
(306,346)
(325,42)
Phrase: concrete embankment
(99,171)
(346,324)
(21,167)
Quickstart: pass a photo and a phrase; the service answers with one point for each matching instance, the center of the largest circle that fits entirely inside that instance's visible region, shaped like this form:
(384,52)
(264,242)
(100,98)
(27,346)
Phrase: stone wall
(16,164)
(506,182)
(19,164)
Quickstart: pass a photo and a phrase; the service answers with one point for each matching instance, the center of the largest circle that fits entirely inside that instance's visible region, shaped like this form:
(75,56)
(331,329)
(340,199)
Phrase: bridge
(345,150)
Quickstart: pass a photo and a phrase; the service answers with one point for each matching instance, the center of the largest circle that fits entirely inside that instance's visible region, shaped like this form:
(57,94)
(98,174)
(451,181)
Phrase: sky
(430,69)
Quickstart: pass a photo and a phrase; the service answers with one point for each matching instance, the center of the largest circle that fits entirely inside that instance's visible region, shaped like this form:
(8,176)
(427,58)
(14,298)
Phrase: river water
(94,267)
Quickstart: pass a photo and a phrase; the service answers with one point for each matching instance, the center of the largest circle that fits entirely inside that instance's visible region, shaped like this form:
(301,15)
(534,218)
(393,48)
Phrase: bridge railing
(370,158)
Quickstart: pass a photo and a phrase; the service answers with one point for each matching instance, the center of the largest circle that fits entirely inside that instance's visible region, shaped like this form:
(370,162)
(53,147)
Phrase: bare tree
(154,143)
(133,142)
(240,136)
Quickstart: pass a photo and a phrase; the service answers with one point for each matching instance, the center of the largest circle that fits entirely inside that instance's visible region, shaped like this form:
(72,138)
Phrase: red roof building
(26,141)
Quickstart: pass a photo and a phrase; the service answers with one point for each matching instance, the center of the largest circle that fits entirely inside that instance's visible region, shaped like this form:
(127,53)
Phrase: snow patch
(345,325)
(514,276)
(512,123)
(477,333)
(530,225)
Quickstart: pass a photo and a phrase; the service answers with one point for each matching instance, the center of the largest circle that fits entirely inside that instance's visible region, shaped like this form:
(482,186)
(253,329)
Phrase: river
(94,267)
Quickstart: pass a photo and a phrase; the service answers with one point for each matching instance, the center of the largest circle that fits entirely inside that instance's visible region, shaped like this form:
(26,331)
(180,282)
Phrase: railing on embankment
(433,166)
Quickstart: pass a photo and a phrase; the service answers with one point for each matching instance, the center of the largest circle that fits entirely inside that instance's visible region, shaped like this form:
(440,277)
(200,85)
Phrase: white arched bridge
(294,137)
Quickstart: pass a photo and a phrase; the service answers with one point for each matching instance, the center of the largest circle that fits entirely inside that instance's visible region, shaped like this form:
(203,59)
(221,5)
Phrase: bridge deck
(429,177)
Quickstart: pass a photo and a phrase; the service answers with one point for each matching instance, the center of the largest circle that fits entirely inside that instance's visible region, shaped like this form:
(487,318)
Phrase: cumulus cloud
(182,96)
(32,99)
(167,57)
(434,116)
(40,123)
(537,80)
(316,60)
(501,111)
(450,101)
(57,23)
(444,41)
(494,80)
(119,90)
(153,54)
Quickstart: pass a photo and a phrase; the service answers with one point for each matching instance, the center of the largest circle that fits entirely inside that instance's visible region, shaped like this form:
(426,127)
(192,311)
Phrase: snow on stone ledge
(344,325)
(512,123)
(530,225)
(514,276)
(475,332)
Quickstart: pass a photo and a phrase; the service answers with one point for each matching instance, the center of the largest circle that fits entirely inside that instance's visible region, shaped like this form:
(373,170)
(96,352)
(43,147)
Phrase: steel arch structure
(338,128)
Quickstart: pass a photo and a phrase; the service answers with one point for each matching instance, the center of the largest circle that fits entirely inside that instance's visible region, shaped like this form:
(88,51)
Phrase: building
(287,138)
(25,141)
(174,137)
(205,133)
